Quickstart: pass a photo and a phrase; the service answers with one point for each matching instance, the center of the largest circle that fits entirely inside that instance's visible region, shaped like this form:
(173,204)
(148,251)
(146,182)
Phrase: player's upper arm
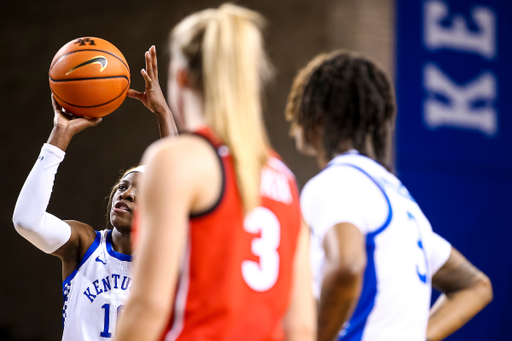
(82,236)
(440,251)
(457,273)
(345,250)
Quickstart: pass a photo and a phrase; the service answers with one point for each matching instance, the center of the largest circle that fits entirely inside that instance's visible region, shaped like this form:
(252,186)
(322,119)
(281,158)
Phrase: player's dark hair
(350,99)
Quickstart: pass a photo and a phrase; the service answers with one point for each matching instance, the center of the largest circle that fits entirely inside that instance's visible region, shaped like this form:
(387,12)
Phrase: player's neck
(323,159)
(193,111)
(121,242)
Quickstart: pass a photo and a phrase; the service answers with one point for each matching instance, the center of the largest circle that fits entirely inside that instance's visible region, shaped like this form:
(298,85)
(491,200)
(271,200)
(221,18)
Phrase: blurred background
(451,62)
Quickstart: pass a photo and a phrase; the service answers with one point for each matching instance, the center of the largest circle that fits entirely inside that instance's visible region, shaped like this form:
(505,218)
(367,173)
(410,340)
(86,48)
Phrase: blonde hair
(223,50)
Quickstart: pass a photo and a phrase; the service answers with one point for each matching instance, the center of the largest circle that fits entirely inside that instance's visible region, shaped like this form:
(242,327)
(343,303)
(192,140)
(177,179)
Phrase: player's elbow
(484,289)
(349,270)
(23,222)
(20,222)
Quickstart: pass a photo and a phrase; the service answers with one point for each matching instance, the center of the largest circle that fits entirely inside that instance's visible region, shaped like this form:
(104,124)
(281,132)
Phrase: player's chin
(121,220)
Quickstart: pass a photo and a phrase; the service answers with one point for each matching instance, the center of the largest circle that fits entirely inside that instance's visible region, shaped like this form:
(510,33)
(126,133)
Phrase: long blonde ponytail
(228,44)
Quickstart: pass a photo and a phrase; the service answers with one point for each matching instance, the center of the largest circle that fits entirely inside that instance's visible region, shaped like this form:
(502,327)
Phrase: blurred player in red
(222,253)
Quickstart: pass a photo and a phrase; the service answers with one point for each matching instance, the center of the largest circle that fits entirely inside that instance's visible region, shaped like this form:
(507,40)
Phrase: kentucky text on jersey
(96,291)
(106,284)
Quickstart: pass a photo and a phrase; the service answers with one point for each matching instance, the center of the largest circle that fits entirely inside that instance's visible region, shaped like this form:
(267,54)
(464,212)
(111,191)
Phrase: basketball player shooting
(95,265)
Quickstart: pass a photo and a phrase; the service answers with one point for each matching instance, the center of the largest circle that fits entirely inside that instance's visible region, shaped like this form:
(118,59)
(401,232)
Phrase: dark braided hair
(350,99)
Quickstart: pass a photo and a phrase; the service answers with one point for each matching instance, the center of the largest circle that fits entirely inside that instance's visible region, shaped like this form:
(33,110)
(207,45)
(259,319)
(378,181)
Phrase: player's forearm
(340,292)
(453,310)
(166,124)
(60,138)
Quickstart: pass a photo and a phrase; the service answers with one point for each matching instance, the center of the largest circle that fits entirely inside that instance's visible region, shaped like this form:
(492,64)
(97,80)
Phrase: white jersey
(94,293)
(402,250)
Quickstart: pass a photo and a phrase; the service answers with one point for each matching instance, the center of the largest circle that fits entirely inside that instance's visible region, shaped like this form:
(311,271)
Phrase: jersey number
(261,276)
(106,325)
(422,276)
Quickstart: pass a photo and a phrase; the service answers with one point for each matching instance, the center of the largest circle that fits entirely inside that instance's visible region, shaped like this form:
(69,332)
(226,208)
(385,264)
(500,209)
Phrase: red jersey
(235,283)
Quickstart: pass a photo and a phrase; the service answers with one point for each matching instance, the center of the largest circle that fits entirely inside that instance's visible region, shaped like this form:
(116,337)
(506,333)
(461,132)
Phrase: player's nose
(129,194)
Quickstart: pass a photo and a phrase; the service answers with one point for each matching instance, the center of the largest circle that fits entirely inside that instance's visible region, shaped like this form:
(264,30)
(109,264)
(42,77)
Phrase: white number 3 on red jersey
(262,275)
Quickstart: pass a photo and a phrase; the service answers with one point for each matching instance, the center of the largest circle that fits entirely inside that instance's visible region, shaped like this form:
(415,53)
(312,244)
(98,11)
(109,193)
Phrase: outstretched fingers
(154,61)
(147,79)
(151,63)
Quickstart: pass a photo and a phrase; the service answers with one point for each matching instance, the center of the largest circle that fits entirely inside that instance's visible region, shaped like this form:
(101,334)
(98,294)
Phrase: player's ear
(183,77)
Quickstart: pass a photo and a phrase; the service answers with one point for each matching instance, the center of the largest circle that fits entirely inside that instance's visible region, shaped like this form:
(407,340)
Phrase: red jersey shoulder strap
(209,136)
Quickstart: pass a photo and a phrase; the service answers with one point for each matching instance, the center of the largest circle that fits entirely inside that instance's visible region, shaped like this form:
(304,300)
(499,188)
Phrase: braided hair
(350,99)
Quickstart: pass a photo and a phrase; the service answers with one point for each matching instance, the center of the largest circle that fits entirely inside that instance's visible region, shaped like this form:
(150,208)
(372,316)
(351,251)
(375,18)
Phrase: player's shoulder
(82,237)
(182,145)
(188,155)
(83,231)
(334,177)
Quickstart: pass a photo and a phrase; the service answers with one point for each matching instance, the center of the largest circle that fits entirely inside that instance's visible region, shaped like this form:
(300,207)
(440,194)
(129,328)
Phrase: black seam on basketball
(93,106)
(110,53)
(86,79)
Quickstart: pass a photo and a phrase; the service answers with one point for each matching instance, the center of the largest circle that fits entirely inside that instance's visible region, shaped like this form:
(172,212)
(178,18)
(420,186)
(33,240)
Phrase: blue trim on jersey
(113,253)
(65,283)
(366,302)
(86,256)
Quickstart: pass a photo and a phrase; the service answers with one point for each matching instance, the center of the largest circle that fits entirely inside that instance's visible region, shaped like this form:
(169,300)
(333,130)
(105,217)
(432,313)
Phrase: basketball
(89,77)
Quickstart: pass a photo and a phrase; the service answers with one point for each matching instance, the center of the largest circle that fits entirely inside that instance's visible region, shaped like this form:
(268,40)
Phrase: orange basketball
(89,77)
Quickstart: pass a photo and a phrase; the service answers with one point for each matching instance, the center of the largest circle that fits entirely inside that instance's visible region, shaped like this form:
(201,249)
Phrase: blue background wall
(454,135)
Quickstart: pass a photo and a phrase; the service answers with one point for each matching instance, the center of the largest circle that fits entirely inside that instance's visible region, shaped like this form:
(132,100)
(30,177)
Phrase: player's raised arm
(466,291)
(153,98)
(45,231)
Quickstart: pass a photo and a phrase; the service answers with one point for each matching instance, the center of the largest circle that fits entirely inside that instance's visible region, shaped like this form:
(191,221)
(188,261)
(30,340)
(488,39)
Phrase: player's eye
(121,188)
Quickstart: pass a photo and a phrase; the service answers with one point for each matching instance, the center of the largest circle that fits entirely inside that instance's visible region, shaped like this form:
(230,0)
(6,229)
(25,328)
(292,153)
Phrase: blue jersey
(402,251)
(94,293)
